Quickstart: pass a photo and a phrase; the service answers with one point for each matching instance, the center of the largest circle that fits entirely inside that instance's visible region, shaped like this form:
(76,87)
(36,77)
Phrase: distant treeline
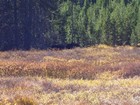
(41,24)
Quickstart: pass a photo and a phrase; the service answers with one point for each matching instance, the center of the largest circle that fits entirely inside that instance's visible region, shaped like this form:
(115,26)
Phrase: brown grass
(46,91)
(78,63)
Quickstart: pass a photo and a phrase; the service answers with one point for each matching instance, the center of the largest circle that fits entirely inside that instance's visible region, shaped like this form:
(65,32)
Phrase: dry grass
(97,75)
(78,63)
(45,91)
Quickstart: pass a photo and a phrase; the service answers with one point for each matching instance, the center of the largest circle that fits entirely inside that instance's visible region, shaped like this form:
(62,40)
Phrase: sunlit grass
(65,92)
(97,75)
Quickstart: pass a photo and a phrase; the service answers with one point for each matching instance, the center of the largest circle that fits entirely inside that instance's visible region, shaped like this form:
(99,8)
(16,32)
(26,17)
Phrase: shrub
(24,101)
(18,100)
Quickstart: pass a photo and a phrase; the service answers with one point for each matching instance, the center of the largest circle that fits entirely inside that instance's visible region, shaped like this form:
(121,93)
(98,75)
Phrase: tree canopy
(40,24)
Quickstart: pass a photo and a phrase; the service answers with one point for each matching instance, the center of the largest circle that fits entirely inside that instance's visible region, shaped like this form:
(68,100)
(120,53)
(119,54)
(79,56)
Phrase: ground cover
(96,75)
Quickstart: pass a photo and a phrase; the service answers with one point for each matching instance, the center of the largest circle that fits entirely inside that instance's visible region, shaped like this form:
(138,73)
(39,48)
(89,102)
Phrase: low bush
(19,100)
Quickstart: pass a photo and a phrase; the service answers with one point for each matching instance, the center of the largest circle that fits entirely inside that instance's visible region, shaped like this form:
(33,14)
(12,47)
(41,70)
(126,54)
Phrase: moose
(72,45)
(58,46)
(65,46)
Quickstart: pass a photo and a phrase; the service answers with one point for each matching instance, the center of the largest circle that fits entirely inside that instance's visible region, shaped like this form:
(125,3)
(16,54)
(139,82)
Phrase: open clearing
(100,75)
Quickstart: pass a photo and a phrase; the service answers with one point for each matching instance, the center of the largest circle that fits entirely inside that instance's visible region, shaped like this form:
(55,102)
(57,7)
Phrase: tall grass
(78,63)
(97,75)
(46,91)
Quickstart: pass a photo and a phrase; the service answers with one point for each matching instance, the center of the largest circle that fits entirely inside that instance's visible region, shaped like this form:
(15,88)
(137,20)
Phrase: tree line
(42,24)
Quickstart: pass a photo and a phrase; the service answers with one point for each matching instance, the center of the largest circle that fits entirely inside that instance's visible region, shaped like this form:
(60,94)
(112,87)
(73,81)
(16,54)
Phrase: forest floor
(97,75)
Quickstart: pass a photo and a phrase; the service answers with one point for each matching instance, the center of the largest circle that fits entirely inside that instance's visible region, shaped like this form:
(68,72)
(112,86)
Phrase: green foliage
(41,24)
(137,28)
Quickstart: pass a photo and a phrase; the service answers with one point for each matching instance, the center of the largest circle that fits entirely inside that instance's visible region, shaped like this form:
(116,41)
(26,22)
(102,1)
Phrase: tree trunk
(28,24)
(15,26)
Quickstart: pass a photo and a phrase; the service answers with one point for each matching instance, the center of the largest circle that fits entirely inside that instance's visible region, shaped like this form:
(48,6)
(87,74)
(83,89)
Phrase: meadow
(96,75)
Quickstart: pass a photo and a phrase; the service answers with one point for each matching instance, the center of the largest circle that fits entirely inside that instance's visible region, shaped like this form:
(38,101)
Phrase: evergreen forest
(43,24)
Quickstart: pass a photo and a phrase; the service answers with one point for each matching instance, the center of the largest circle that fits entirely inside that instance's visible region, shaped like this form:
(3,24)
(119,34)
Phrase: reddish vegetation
(76,63)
